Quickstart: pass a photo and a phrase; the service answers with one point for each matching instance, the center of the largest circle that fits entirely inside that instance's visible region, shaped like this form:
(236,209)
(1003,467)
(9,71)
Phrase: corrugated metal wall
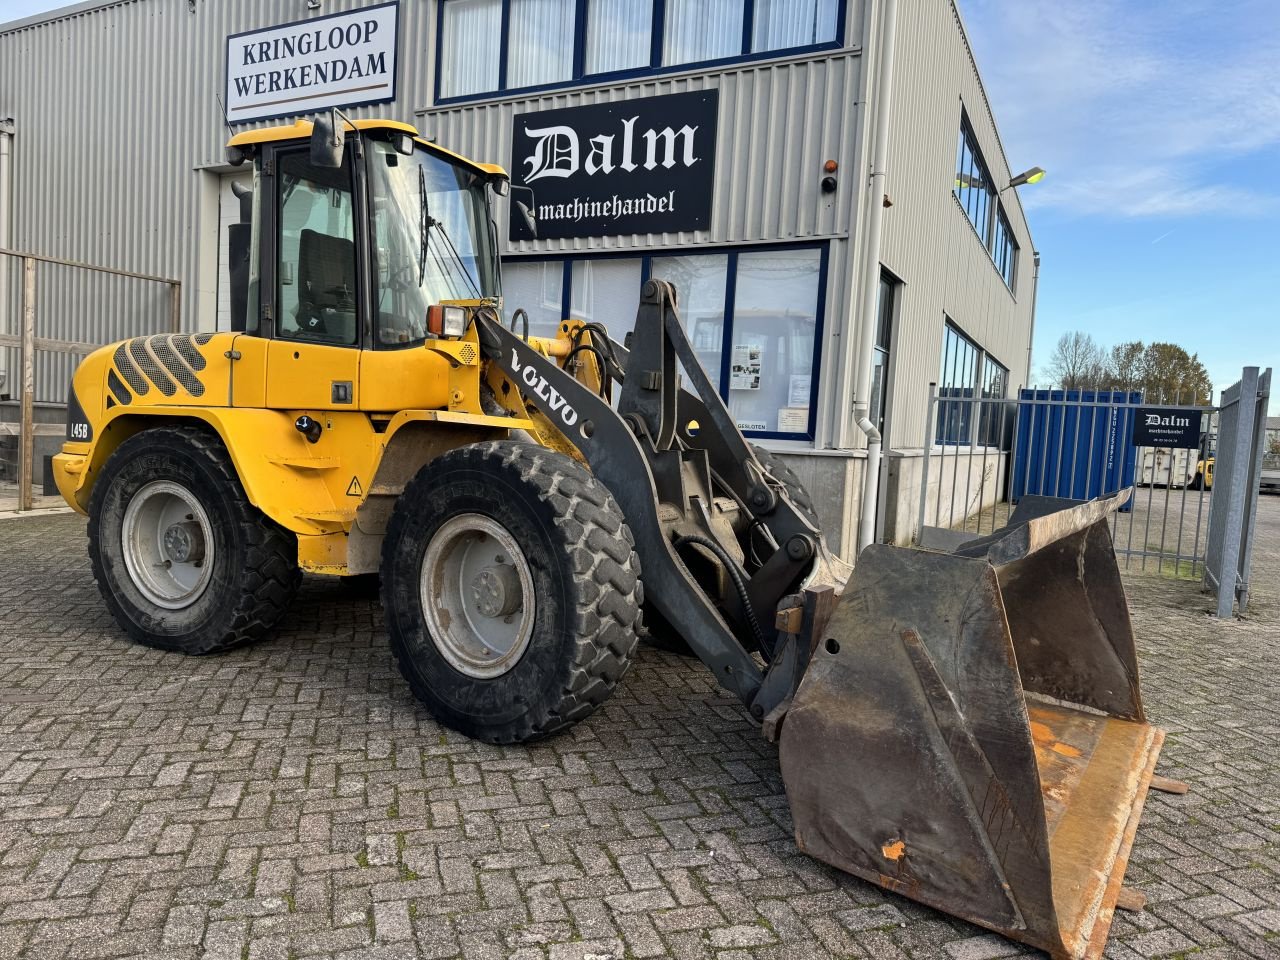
(928,240)
(778,122)
(121,114)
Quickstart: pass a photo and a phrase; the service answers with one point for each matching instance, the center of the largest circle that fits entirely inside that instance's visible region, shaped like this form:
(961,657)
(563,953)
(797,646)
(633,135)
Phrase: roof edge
(61,13)
(301,129)
(986,103)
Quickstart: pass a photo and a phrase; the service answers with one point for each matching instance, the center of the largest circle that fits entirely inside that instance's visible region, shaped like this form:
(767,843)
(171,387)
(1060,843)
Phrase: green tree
(1171,374)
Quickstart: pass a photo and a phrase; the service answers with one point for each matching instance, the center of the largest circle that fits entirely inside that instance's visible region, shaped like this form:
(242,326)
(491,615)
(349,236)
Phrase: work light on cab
(446,321)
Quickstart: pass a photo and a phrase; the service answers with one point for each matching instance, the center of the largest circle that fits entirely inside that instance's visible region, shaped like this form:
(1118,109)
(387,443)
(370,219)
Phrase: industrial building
(822,179)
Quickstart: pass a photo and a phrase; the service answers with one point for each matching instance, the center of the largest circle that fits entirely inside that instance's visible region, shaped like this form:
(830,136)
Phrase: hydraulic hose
(600,359)
(735,576)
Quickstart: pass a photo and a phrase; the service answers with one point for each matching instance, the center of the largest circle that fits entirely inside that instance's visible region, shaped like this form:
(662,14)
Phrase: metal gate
(983,454)
(34,332)
(1239,474)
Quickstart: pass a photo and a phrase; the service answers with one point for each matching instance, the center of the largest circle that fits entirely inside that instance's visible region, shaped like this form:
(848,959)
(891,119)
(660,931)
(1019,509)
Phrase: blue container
(1074,443)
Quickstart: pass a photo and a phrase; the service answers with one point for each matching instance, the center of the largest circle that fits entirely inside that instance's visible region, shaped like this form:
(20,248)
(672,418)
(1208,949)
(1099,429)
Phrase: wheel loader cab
(350,248)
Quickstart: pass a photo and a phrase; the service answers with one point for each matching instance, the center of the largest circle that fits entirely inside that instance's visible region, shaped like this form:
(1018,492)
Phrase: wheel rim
(168,544)
(477,596)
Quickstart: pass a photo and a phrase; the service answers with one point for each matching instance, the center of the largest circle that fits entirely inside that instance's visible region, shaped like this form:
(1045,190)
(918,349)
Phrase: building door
(228,214)
(886,303)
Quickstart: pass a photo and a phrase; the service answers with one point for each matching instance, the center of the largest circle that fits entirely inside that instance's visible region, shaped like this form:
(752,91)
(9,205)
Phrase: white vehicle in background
(1270,478)
(1178,468)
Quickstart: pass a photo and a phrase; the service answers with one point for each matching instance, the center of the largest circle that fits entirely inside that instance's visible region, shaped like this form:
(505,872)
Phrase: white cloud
(1134,108)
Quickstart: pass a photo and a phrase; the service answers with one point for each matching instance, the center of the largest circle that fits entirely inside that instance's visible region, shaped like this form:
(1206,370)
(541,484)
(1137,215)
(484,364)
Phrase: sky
(17,9)
(1159,126)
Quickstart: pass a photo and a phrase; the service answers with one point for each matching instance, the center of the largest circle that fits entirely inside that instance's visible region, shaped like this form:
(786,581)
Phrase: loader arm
(667,454)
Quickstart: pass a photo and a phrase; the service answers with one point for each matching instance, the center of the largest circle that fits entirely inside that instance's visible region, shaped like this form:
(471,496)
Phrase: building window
(968,373)
(754,319)
(467,30)
(780,24)
(543,43)
(977,195)
(774,336)
(1004,249)
(541,50)
(619,35)
(698,30)
(994,382)
(973,183)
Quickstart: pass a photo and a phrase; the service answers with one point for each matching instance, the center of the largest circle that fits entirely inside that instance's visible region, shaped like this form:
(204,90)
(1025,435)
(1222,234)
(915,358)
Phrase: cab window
(316,274)
(432,241)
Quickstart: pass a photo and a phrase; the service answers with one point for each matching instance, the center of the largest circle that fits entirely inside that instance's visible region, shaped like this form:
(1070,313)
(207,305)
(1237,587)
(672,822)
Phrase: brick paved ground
(292,800)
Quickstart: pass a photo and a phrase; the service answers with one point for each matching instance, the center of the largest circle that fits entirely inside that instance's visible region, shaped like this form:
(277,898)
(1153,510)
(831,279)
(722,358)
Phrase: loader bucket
(970,734)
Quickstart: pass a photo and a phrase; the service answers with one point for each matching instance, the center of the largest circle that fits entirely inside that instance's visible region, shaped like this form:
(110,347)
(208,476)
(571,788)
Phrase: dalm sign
(1164,427)
(632,166)
(342,60)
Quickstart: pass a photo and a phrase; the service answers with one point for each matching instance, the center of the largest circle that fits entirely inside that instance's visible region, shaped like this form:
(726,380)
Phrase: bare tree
(1076,362)
(1125,366)
(1164,372)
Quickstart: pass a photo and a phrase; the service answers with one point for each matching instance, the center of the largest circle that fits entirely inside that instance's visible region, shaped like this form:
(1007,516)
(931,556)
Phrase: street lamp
(1034,175)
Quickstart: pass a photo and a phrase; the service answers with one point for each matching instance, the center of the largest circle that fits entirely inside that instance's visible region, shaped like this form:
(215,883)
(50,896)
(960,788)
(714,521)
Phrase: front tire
(512,590)
(182,558)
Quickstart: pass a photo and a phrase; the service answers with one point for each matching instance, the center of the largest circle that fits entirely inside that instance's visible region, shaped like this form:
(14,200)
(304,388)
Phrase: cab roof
(301,130)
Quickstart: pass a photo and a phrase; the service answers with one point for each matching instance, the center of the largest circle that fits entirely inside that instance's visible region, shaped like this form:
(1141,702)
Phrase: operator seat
(326,288)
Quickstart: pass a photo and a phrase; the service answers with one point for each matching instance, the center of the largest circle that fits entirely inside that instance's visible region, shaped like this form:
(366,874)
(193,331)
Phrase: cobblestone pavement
(292,800)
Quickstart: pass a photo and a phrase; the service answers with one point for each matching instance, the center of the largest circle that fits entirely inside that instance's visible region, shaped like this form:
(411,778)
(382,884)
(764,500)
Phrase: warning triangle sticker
(354,489)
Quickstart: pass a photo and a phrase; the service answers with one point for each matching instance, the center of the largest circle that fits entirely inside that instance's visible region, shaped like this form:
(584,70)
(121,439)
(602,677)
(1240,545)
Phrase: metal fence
(53,357)
(983,454)
(1233,514)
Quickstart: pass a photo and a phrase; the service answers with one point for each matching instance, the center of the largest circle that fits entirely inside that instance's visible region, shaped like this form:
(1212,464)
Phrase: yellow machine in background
(965,728)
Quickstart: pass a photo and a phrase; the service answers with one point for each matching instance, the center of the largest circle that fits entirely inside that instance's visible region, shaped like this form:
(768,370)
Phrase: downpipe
(871,481)
(871,281)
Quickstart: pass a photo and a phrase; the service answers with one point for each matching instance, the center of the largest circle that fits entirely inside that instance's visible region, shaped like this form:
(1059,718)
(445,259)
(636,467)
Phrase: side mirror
(328,139)
(530,221)
(501,186)
(526,210)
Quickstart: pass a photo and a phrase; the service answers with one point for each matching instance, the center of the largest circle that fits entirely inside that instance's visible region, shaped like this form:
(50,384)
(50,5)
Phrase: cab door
(312,303)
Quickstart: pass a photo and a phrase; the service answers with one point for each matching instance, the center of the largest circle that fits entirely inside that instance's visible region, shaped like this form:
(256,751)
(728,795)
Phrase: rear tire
(512,590)
(182,558)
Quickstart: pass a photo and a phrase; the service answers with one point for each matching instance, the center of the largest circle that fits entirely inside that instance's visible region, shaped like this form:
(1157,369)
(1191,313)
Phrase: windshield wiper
(424,225)
(426,222)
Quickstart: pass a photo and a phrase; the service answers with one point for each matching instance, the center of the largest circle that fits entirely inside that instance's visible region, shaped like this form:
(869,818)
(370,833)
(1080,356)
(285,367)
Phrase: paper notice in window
(745,372)
(794,419)
(798,391)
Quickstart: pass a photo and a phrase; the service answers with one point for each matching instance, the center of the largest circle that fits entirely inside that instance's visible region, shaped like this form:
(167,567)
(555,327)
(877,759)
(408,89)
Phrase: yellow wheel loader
(964,728)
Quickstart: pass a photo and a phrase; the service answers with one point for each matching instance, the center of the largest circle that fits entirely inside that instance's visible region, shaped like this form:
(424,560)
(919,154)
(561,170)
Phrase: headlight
(446,321)
(455,321)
